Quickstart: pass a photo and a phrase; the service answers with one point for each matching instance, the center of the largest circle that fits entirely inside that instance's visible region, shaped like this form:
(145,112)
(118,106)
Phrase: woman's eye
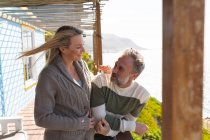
(78,46)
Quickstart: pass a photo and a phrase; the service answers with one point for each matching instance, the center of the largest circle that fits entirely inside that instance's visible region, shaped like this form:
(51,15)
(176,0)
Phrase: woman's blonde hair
(61,38)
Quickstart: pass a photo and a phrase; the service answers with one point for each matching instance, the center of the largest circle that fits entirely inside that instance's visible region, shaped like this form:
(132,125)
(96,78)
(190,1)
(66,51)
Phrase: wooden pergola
(52,14)
(183,41)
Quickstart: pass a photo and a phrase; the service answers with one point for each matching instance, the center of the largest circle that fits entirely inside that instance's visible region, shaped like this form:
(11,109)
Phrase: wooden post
(183,40)
(98,32)
(95,53)
(97,42)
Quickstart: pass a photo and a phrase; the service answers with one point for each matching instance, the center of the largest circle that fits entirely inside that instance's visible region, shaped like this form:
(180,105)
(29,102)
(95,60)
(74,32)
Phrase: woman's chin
(79,58)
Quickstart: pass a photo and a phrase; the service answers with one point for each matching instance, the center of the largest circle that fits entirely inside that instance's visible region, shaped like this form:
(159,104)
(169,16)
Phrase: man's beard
(116,80)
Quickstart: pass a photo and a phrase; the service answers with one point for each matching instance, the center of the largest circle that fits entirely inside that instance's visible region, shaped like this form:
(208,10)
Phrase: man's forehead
(125,61)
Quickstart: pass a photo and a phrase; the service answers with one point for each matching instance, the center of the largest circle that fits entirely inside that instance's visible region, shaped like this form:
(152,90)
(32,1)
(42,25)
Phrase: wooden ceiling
(51,14)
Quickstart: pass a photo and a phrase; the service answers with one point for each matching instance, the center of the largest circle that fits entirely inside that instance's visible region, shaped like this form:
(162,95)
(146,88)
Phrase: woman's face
(75,49)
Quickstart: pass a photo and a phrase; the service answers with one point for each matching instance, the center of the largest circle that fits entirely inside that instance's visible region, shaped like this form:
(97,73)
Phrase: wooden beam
(98,32)
(95,53)
(97,42)
(183,41)
(19,3)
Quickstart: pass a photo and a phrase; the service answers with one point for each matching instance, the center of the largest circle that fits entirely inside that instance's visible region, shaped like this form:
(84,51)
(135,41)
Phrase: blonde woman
(63,91)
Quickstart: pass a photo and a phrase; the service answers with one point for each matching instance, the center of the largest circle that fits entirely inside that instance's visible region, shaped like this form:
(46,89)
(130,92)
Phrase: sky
(139,20)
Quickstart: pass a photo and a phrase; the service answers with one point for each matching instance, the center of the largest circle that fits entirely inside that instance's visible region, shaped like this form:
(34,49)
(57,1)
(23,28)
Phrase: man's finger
(100,124)
(104,122)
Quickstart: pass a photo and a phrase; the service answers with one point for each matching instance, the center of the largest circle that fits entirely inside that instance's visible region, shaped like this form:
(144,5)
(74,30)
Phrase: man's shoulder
(82,63)
(101,77)
(140,92)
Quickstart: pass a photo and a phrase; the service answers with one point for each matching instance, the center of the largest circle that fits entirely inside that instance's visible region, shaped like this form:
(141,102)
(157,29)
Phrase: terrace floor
(33,132)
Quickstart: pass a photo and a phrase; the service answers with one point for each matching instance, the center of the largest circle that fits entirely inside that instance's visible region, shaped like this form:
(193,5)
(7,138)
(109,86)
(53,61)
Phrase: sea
(151,77)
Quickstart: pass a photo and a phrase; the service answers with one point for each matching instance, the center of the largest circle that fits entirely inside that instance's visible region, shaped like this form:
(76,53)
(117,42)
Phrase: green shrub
(87,58)
(151,116)
(206,134)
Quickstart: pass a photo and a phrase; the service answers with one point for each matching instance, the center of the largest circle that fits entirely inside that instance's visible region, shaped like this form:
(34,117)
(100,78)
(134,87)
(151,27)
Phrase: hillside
(111,43)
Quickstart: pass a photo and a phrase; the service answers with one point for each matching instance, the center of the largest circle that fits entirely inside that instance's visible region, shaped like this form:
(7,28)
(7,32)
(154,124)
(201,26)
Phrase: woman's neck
(67,62)
(70,68)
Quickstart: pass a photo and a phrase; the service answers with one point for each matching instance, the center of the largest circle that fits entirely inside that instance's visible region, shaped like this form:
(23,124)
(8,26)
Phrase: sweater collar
(61,66)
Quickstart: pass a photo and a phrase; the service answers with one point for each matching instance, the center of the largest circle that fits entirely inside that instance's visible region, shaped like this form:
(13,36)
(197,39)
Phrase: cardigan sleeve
(46,91)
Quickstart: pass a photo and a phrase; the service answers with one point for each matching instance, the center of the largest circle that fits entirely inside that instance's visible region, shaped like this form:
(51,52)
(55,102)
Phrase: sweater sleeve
(44,115)
(127,123)
(98,107)
(98,104)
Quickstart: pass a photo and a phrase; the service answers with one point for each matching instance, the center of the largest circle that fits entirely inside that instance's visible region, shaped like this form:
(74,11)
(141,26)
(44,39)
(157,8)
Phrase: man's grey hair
(138,59)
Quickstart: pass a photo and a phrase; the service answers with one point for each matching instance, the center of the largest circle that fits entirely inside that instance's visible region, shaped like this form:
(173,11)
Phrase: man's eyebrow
(121,66)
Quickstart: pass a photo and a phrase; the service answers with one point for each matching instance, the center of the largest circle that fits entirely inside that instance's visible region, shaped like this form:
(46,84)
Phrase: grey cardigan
(61,105)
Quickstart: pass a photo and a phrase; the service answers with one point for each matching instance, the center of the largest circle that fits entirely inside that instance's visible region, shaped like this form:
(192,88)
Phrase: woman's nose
(83,49)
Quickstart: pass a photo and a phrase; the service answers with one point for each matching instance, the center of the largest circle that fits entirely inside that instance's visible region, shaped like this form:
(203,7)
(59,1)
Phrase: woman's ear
(62,49)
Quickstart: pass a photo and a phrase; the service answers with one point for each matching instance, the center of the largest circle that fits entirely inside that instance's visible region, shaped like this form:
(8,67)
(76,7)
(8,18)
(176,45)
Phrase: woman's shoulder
(48,69)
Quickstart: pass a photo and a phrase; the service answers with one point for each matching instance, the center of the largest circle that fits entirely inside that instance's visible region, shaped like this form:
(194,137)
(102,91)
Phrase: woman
(63,89)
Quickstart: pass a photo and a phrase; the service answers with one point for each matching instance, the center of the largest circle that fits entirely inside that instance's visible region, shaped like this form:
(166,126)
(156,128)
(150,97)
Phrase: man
(117,100)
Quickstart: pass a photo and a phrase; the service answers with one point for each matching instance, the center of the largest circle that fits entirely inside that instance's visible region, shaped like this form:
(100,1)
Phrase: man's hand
(141,128)
(102,127)
(105,69)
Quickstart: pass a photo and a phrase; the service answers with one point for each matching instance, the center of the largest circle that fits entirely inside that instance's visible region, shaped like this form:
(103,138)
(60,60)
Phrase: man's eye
(120,68)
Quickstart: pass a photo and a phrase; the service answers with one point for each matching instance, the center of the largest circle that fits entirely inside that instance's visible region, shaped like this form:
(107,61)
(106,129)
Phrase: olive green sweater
(119,106)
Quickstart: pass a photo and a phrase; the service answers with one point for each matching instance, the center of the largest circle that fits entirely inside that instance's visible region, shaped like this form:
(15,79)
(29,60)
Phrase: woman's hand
(91,123)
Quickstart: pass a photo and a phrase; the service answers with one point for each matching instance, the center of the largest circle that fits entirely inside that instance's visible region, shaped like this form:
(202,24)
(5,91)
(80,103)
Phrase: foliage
(206,134)
(151,116)
(48,35)
(87,58)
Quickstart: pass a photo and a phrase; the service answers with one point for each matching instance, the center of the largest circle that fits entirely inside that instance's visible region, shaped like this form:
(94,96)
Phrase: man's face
(122,72)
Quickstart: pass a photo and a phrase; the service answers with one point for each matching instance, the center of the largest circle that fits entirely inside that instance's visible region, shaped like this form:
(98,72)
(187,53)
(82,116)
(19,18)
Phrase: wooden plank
(183,32)
(33,131)
(98,32)
(19,3)
(95,53)
(97,39)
